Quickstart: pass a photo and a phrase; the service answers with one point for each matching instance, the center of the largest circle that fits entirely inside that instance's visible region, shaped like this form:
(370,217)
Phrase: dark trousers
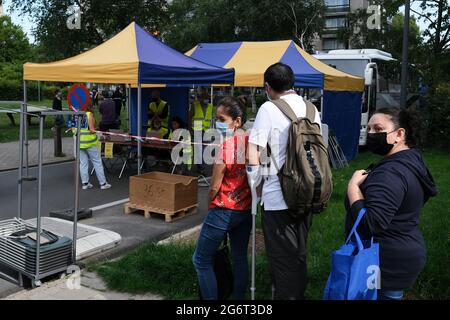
(118,107)
(11,118)
(285,240)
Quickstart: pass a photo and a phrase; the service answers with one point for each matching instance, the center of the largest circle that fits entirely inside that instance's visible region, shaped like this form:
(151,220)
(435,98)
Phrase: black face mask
(377,143)
(154,99)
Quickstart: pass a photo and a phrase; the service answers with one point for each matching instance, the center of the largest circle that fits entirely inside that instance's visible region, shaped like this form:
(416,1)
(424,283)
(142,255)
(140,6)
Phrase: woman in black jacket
(393,192)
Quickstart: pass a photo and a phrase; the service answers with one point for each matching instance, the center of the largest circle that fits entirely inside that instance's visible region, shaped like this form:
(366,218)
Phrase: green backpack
(305,178)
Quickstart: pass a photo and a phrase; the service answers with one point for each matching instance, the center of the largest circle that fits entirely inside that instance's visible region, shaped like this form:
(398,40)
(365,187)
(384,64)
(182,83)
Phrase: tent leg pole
(20,182)
(39,204)
(139,128)
(322,107)
(212,94)
(25,128)
(129,106)
(212,103)
(77,187)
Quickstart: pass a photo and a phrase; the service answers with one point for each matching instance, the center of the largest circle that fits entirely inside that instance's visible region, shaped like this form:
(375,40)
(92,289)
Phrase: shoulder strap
(225,240)
(286,109)
(310,110)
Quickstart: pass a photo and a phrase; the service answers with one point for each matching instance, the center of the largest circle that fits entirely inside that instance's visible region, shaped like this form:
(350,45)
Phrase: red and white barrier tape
(154,138)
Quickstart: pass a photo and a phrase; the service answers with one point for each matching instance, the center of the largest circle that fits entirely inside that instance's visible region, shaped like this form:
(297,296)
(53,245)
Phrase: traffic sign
(79,97)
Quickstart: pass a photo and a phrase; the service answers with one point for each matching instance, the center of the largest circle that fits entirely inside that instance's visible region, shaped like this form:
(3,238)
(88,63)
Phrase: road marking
(110,204)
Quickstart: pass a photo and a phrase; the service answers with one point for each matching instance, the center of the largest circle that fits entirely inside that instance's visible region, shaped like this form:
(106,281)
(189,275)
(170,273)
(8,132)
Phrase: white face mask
(224,129)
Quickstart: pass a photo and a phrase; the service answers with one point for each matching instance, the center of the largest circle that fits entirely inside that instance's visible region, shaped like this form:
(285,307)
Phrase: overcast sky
(26,24)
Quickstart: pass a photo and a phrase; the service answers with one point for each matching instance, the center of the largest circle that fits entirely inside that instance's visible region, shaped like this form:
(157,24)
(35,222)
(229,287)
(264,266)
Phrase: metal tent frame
(23,176)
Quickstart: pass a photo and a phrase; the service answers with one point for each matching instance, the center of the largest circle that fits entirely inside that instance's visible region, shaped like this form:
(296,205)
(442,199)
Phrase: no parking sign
(78,97)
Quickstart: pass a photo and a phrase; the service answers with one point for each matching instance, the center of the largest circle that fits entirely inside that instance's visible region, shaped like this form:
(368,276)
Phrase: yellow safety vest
(163,131)
(200,121)
(87,139)
(158,109)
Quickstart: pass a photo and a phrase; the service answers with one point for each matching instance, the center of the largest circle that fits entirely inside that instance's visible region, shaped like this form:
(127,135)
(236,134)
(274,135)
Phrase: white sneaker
(86,186)
(105,186)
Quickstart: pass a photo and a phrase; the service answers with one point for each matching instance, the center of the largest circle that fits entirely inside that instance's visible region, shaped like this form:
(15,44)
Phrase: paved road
(57,191)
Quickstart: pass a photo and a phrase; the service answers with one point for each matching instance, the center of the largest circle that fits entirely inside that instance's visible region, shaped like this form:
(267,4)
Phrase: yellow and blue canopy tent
(251,59)
(342,97)
(131,57)
(135,58)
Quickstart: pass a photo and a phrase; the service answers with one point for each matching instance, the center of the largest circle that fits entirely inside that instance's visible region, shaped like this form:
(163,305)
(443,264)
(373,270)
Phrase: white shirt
(271,128)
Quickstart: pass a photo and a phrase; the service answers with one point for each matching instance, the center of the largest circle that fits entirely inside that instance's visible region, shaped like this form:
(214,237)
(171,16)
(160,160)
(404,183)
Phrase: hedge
(12,90)
(438,115)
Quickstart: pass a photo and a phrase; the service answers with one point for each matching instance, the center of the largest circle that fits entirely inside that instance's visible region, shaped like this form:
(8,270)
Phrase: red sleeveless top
(234,192)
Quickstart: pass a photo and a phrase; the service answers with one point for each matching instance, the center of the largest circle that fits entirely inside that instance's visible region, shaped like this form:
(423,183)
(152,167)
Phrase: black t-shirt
(57,104)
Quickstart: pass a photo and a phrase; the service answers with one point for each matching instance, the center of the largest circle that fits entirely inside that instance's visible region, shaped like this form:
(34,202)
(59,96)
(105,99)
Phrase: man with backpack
(296,177)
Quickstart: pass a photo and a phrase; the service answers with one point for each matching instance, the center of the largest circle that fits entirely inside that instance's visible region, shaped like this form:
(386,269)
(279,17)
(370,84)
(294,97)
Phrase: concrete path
(87,286)
(9,153)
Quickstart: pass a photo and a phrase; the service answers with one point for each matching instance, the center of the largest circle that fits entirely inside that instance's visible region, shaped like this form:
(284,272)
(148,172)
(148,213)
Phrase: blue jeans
(85,155)
(390,294)
(217,223)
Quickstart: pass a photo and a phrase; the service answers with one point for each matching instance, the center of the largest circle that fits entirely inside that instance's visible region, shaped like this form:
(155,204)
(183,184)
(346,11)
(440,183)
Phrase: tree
(388,38)
(13,42)
(100,20)
(436,12)
(194,21)
(437,35)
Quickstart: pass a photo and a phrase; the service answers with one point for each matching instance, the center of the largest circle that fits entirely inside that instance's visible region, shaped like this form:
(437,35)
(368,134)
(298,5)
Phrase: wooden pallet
(170,216)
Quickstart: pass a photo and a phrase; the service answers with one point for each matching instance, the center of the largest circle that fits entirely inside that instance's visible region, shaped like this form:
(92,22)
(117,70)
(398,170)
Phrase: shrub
(439,117)
(13,90)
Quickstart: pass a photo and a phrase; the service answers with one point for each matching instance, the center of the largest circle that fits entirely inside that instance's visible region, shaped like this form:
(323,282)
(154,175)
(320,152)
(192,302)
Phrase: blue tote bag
(355,269)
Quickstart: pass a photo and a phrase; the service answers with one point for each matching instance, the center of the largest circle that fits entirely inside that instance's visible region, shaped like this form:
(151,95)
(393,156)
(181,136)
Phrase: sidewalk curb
(35,165)
(180,235)
(9,292)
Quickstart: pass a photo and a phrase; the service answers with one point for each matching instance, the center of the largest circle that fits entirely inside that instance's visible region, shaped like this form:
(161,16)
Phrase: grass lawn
(168,270)
(10,133)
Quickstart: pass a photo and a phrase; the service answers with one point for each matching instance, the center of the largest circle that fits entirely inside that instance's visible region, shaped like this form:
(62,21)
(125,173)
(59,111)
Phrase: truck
(380,91)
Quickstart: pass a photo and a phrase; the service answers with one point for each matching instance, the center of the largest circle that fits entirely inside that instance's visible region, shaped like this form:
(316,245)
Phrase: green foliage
(439,117)
(192,22)
(436,56)
(12,90)
(166,270)
(358,35)
(13,42)
(100,20)
(11,71)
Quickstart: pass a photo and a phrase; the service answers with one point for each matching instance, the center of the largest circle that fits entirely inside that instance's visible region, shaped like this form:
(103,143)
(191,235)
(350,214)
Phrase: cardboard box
(165,192)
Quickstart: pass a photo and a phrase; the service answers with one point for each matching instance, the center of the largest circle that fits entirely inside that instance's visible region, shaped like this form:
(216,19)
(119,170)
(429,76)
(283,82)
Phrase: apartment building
(335,18)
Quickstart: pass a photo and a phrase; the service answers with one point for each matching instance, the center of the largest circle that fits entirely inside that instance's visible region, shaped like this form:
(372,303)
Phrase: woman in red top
(229,204)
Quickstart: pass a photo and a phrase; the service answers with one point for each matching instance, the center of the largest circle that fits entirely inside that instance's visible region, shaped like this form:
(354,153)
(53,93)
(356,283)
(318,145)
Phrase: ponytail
(234,108)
